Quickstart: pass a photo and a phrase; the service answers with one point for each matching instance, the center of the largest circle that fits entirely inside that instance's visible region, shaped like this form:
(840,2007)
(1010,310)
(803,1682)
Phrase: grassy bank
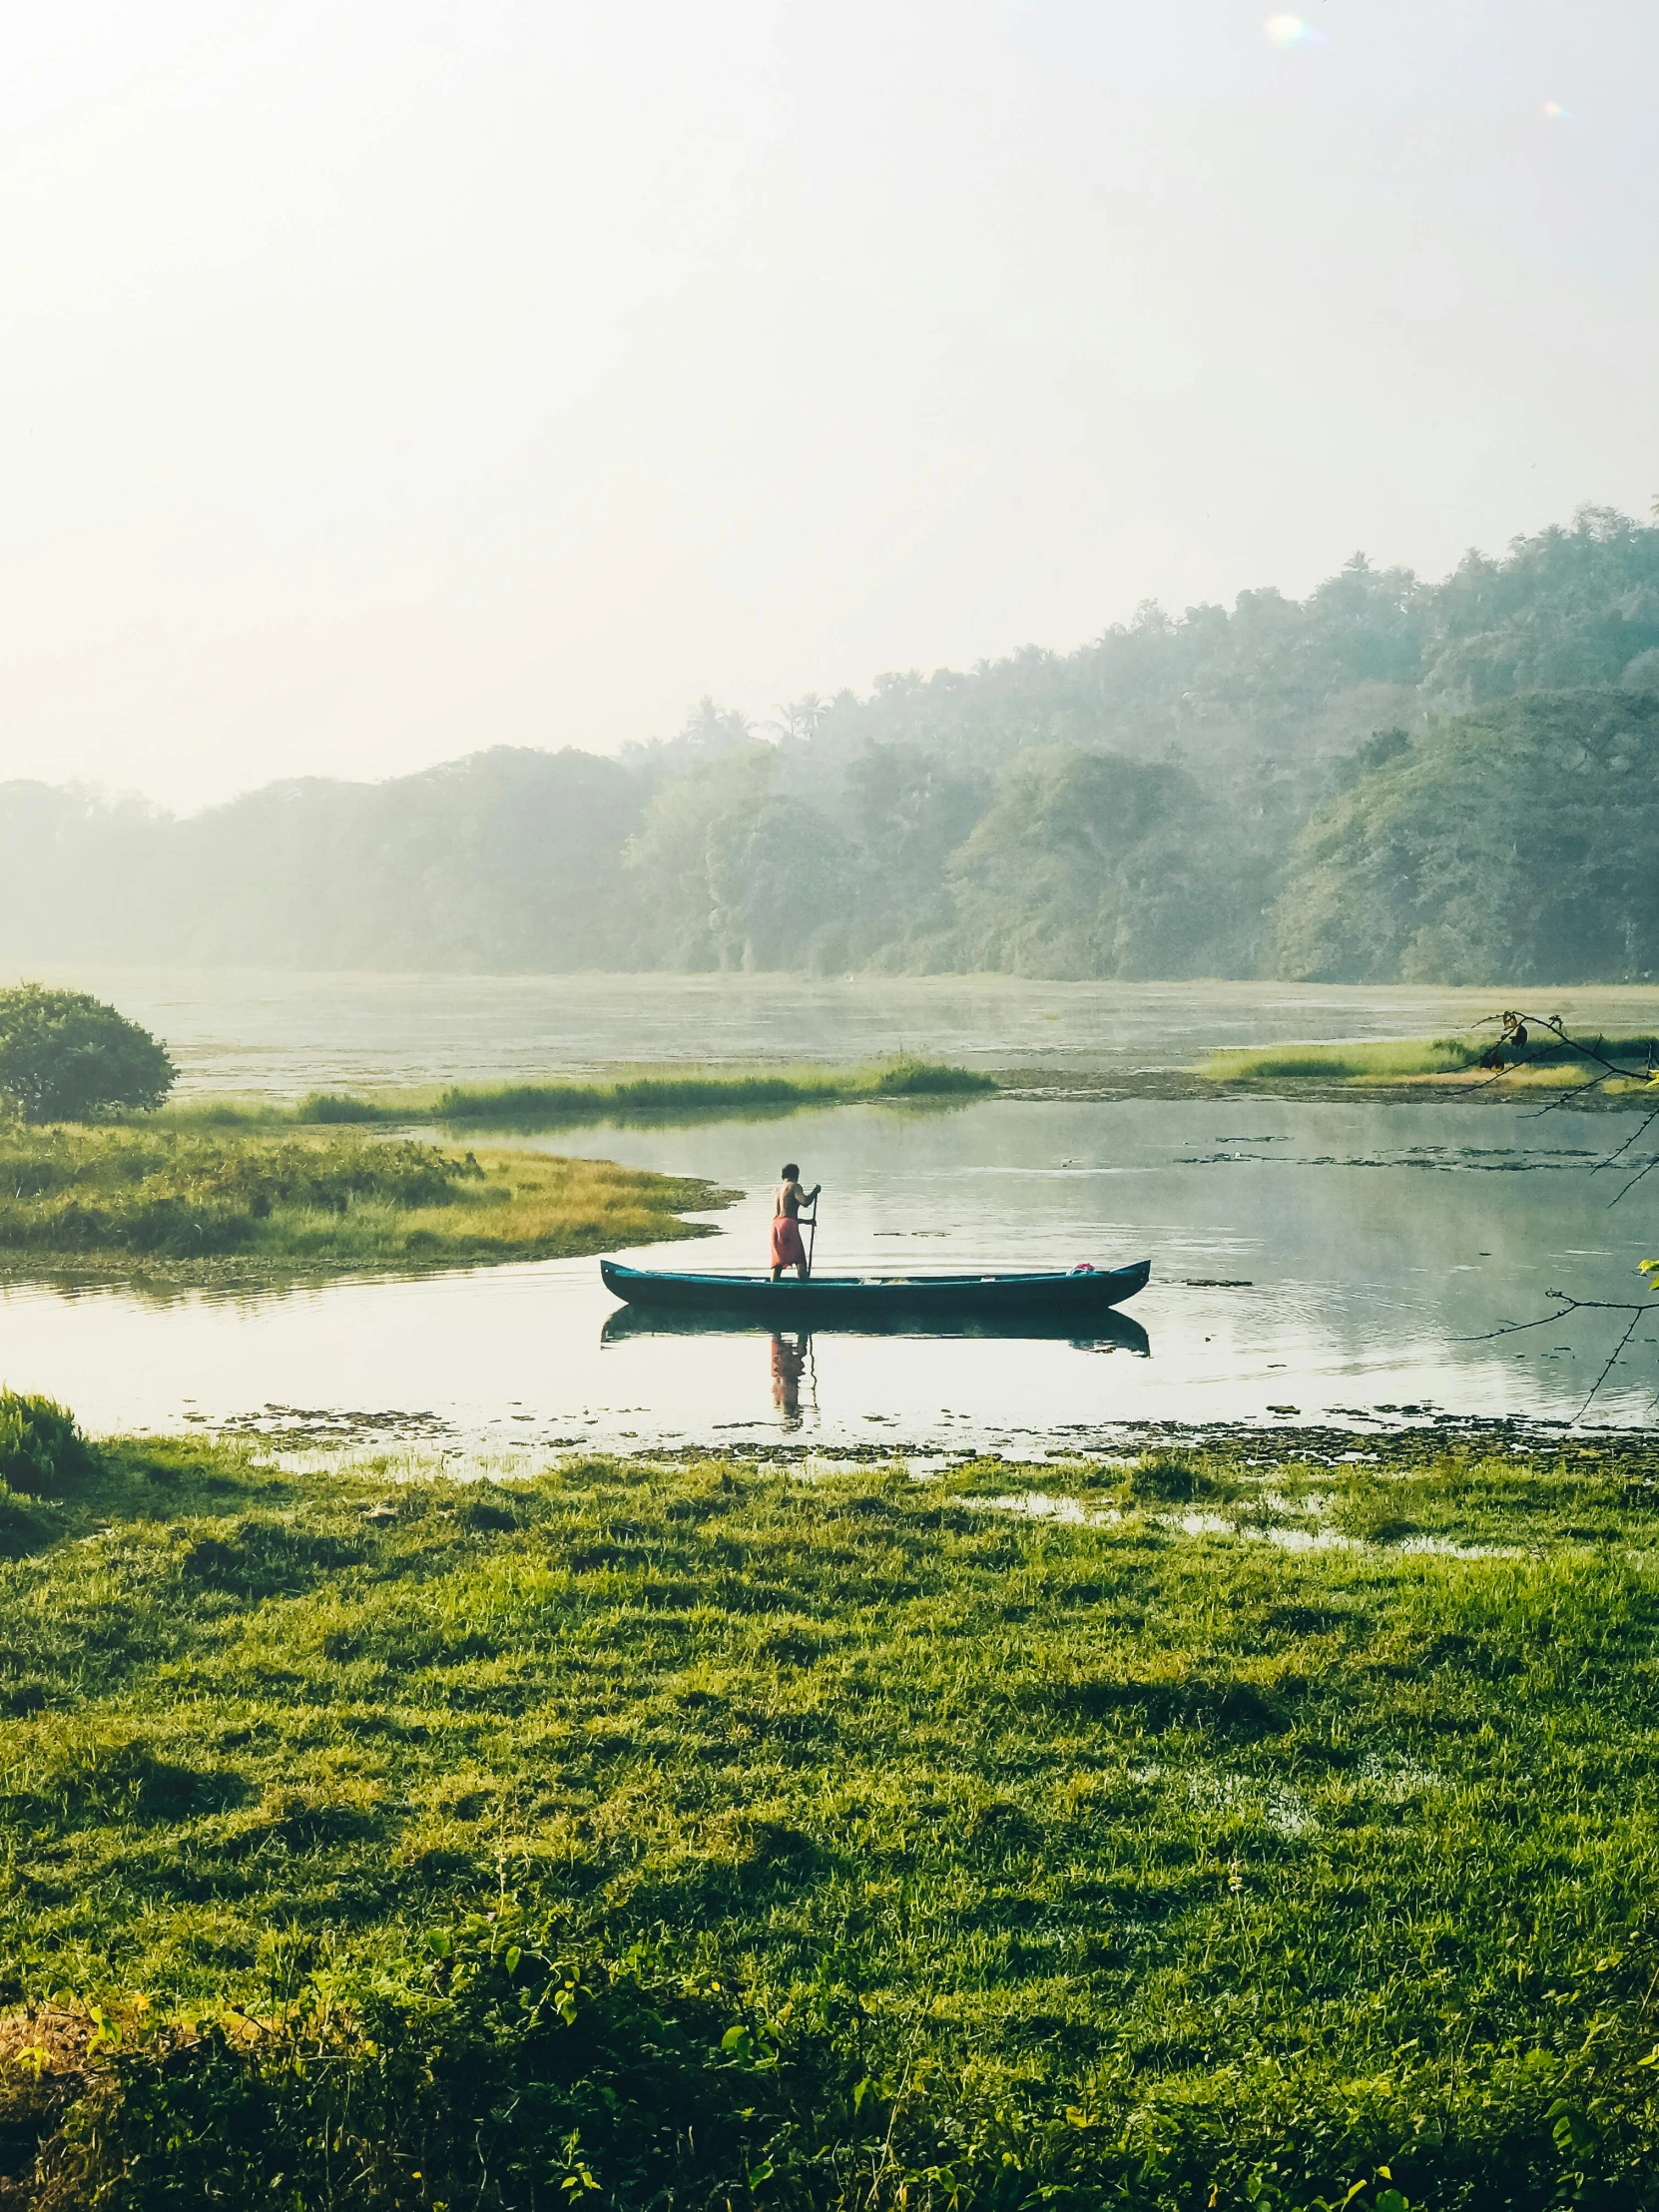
(663,1094)
(545,1105)
(189,1204)
(1444,1062)
(706,1834)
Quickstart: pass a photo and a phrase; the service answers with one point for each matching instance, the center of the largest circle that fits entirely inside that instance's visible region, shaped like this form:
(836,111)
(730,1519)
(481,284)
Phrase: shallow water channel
(1328,1262)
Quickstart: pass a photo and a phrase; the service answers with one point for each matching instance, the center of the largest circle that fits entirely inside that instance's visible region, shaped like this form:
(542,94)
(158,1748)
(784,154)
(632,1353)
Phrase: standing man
(787,1201)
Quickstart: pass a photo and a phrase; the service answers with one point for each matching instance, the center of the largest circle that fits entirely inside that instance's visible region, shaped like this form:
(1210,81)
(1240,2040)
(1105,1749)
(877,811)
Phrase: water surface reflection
(793,1357)
(791,1360)
(1341,1262)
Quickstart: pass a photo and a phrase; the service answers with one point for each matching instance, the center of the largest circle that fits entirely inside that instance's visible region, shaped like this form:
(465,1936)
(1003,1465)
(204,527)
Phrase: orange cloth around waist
(787,1249)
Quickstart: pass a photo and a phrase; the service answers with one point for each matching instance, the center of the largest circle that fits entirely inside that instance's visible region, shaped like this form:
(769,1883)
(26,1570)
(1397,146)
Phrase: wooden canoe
(917,1301)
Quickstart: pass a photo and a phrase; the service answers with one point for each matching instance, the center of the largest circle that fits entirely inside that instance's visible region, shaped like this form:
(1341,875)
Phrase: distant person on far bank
(787,1201)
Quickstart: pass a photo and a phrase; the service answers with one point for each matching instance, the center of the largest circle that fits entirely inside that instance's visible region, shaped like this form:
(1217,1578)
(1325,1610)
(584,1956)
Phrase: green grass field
(181,1205)
(708,1833)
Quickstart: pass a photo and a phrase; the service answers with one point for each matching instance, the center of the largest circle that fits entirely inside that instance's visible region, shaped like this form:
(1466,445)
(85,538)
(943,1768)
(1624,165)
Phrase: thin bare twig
(1567,1305)
(1611,1359)
(1562,1309)
(1631,1185)
(1587,1051)
(1498,1075)
(1566,1097)
(1648,1121)
(1610,1068)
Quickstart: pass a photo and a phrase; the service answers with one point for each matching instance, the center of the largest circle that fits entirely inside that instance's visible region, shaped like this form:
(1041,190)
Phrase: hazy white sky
(385,379)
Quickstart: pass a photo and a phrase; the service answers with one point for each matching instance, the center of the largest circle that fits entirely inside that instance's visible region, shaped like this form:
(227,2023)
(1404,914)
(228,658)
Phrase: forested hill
(1387,780)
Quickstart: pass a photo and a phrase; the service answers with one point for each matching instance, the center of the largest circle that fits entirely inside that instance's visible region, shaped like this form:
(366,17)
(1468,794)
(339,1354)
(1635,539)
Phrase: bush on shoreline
(65,1056)
(41,1447)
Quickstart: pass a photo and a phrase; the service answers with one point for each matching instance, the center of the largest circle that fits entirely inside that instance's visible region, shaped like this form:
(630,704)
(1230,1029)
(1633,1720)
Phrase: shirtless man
(787,1201)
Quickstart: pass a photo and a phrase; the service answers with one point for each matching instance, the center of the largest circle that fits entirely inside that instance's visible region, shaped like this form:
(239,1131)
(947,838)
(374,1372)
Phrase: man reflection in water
(788,1364)
(787,1201)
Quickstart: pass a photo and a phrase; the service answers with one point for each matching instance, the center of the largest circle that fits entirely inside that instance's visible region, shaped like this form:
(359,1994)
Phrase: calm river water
(1324,1263)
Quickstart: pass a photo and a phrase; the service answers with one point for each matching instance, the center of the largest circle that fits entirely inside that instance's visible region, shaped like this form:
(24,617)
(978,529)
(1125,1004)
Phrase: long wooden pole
(811,1238)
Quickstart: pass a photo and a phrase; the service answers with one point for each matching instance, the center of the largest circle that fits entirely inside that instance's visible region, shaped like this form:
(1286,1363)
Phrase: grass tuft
(41,1445)
(335,1107)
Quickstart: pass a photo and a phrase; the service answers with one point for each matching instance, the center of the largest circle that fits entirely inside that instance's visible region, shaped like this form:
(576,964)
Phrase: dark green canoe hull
(1062,1303)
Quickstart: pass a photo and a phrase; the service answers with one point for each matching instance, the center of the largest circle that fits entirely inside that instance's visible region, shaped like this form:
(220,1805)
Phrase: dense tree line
(1515,844)
(1389,778)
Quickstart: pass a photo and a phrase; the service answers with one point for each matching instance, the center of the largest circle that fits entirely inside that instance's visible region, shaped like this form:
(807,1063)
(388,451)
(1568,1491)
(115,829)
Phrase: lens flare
(1287,31)
(1555,113)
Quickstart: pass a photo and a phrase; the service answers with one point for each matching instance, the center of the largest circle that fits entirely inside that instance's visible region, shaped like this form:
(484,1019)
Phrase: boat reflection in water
(1108,1332)
(795,1364)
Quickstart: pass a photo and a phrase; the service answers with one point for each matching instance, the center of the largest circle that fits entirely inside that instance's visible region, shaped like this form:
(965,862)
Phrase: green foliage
(1378,751)
(121,1190)
(907,809)
(722,1838)
(574,2067)
(66,1057)
(1128,808)
(1091,864)
(906,1078)
(41,1448)
(1389,1060)
(547,1105)
(730,873)
(662,1095)
(335,1107)
(160,1198)
(1515,844)
(490,863)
